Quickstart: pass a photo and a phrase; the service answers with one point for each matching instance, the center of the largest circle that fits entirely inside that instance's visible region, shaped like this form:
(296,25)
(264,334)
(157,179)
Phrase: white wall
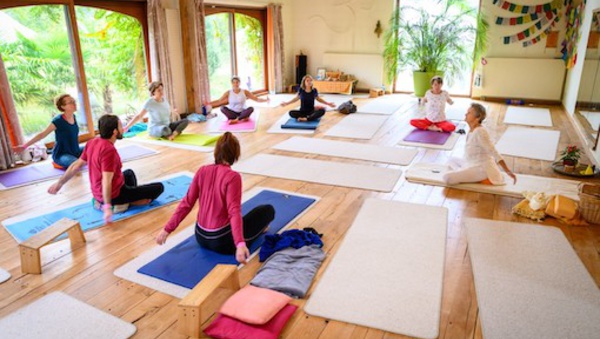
(544,84)
(574,75)
(333,26)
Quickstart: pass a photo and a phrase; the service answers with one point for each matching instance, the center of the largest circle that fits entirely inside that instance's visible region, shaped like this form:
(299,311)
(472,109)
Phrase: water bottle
(514,102)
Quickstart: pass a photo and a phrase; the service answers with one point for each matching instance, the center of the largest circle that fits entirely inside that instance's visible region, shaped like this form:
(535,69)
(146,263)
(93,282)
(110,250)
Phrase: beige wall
(329,26)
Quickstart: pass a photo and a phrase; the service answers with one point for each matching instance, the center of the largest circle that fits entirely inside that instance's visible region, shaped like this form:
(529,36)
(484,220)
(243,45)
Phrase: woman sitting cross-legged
(66,132)
(481,157)
(307,96)
(218,190)
(235,108)
(162,122)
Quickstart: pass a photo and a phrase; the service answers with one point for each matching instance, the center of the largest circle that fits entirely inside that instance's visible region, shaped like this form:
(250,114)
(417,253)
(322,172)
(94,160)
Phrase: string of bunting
(514,8)
(541,36)
(518,20)
(569,49)
(529,32)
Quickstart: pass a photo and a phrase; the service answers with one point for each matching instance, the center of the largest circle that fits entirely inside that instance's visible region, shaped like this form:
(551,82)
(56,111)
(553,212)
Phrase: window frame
(134,8)
(259,14)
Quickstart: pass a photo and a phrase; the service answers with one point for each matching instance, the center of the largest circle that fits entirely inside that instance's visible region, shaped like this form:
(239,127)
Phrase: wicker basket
(589,202)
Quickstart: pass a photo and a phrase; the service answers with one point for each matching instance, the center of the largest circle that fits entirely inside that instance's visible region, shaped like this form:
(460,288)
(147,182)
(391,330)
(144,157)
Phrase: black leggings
(221,240)
(131,192)
(309,115)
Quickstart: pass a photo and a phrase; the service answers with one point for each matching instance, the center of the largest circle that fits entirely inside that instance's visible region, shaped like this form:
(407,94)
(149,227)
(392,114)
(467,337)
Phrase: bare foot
(302,119)
(434,128)
(245,119)
(233,121)
(171,137)
(141,202)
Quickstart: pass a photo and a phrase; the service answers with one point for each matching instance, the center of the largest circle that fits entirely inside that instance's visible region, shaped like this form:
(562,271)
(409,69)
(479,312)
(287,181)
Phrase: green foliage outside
(435,42)
(40,65)
(250,51)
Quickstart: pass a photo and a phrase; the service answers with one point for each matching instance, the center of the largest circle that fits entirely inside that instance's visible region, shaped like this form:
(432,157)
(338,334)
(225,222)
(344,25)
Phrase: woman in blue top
(66,132)
(307,96)
(159,110)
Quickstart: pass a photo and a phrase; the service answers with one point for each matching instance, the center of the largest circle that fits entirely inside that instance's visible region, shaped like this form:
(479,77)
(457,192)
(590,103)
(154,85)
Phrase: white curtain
(199,58)
(159,48)
(276,37)
(10,129)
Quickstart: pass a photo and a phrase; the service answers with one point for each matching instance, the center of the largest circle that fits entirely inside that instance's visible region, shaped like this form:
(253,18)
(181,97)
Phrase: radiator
(541,79)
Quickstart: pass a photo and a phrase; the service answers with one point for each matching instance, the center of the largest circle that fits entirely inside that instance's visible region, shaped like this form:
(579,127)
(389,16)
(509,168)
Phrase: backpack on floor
(347,107)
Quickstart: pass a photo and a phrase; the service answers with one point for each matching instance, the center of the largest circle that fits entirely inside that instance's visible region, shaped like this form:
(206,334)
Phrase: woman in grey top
(159,111)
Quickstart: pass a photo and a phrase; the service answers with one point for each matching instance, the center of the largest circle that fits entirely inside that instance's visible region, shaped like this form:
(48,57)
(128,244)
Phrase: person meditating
(66,132)
(307,96)
(109,185)
(217,188)
(435,109)
(481,157)
(233,102)
(162,122)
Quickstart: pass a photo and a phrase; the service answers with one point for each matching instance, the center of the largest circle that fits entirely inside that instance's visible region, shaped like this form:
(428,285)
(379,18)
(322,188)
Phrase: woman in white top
(435,106)
(161,122)
(481,157)
(235,101)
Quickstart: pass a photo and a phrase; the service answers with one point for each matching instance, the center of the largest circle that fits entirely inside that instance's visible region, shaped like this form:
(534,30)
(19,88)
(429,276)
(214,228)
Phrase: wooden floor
(87,273)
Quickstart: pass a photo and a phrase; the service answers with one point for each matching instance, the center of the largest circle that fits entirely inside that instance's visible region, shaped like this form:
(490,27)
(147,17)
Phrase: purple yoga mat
(45,171)
(427,137)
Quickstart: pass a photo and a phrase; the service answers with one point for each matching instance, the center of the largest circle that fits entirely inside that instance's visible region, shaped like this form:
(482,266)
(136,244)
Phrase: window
(460,86)
(112,45)
(97,55)
(235,44)
(39,64)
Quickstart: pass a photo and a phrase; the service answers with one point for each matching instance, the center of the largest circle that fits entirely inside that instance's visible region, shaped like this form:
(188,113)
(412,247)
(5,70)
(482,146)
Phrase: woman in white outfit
(481,157)
(235,101)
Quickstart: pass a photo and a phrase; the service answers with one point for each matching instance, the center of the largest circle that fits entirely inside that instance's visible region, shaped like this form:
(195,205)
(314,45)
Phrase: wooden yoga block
(375,92)
(30,248)
(206,298)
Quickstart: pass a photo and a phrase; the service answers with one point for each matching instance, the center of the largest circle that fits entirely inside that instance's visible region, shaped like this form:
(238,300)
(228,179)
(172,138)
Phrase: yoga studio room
(300,169)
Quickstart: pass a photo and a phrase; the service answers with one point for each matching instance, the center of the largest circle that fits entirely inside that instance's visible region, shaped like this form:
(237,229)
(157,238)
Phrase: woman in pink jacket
(218,190)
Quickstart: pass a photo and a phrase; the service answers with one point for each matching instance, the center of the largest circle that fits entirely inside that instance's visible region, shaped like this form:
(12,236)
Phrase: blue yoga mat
(295,124)
(90,218)
(187,263)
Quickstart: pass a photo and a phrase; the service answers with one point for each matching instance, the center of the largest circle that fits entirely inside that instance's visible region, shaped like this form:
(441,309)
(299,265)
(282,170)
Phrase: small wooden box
(375,92)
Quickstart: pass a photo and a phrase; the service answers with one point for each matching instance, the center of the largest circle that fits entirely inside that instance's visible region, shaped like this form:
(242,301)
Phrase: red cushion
(224,327)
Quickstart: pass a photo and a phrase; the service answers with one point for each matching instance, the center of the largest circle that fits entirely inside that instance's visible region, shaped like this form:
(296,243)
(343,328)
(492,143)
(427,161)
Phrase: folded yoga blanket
(290,271)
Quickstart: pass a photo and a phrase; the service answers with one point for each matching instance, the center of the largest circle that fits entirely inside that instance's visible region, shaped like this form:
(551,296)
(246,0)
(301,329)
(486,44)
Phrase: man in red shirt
(109,185)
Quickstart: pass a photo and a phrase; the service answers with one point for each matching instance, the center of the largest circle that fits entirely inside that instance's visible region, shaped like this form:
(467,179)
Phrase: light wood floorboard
(87,272)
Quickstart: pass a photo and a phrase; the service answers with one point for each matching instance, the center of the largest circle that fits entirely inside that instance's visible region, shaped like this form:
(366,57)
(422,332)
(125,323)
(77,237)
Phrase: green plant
(570,155)
(435,42)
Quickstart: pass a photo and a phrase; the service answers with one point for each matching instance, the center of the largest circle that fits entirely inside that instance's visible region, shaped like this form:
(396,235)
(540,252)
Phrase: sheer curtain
(275,43)
(199,58)
(10,129)
(159,48)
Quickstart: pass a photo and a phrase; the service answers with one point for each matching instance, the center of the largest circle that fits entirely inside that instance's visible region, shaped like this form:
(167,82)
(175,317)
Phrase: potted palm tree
(434,43)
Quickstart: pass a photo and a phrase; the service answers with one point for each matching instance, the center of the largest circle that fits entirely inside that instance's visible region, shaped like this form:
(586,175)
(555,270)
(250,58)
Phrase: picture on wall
(321,71)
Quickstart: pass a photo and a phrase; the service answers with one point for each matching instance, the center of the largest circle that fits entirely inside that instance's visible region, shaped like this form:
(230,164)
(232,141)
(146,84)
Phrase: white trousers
(461,172)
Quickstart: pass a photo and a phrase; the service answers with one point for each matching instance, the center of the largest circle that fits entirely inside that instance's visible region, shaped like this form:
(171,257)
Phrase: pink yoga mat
(427,137)
(241,126)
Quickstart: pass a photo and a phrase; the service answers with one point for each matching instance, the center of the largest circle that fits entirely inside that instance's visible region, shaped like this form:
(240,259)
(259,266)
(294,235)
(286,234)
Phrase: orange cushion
(562,207)
(486,182)
(57,166)
(254,305)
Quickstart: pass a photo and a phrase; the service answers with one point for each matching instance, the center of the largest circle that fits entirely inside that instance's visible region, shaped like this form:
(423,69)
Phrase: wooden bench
(206,298)
(30,248)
